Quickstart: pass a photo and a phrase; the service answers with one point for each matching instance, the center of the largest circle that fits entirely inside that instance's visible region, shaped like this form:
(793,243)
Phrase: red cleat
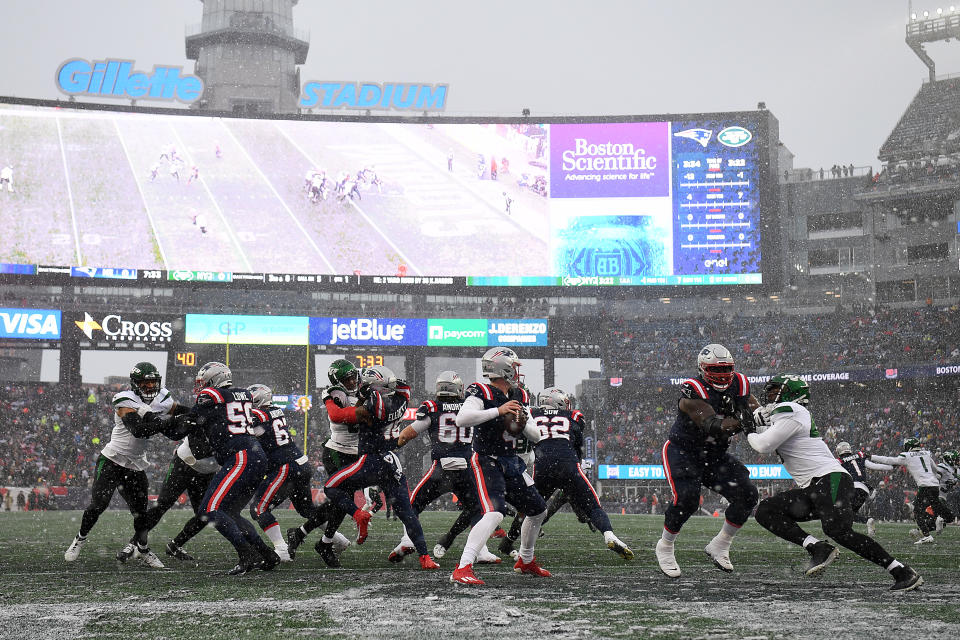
(464,575)
(499,533)
(362,518)
(398,554)
(426,562)
(530,567)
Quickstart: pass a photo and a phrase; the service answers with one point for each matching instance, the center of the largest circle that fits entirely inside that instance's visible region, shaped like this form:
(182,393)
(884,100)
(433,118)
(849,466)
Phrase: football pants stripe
(346,472)
(239,465)
(666,469)
(481,484)
(423,481)
(264,504)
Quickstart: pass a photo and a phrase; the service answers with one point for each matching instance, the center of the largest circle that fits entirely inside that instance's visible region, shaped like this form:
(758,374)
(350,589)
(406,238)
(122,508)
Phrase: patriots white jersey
(948,477)
(123,448)
(918,462)
(794,436)
(340,437)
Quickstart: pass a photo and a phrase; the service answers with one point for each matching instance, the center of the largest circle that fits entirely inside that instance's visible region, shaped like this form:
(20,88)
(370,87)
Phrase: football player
(825,490)
(948,479)
(288,474)
(385,398)
(927,506)
(856,464)
(712,407)
(226,415)
(191,470)
(123,462)
(341,401)
(451,448)
(559,451)
(498,413)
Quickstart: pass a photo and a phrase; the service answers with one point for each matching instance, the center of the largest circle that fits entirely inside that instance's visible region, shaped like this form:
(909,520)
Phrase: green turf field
(594,594)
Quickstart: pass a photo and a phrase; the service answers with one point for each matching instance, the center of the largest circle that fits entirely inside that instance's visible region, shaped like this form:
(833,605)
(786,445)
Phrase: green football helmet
(951,457)
(911,443)
(343,372)
(145,380)
(788,388)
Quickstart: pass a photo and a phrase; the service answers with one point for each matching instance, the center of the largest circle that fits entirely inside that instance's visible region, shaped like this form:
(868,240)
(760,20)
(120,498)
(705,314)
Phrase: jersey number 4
(448,432)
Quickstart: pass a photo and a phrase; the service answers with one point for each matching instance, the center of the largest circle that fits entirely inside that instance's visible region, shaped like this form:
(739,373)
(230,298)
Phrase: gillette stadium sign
(115,78)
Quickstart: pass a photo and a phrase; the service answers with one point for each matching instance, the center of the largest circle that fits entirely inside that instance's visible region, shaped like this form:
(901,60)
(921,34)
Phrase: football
(514,426)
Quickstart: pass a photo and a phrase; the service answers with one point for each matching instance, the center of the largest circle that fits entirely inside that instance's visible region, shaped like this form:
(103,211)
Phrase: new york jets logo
(734,137)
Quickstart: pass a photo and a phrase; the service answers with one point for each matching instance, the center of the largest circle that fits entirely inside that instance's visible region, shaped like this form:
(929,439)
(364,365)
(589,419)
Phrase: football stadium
(286,358)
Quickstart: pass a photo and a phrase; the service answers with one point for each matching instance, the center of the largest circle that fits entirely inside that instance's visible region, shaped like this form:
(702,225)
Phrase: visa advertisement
(655,472)
(30,324)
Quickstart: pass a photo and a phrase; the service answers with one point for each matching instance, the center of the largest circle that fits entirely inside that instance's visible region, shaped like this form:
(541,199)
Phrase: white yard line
(226,224)
(73,213)
(390,242)
(276,193)
(146,207)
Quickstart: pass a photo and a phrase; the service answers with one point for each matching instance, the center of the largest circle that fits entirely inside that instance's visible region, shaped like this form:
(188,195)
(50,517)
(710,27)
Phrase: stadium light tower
(931,29)
(247,55)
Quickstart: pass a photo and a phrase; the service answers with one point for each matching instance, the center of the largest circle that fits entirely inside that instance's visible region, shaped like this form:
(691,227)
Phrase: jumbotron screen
(657,201)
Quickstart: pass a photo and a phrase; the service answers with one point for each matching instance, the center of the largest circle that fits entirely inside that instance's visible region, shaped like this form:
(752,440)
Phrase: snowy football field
(594,594)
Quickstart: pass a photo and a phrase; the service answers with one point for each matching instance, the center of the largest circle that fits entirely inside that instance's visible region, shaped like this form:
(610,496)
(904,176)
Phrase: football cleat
(439,551)
(719,555)
(821,554)
(531,568)
(666,560)
(485,557)
(294,539)
(464,575)
(362,518)
(340,543)
(401,552)
(150,559)
(73,551)
(505,546)
(426,562)
(871,527)
(906,579)
(128,552)
(270,559)
(618,547)
(325,549)
(499,533)
(284,554)
(515,554)
(927,539)
(177,552)
(248,561)
(940,524)
(915,533)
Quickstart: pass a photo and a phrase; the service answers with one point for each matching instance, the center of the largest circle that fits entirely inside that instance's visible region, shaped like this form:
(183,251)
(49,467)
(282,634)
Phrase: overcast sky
(836,74)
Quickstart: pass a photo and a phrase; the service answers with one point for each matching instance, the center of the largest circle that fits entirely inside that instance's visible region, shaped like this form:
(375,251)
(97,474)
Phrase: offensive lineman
(451,448)
(824,490)
(289,472)
(559,452)
(123,462)
(919,462)
(712,407)
(385,398)
(500,475)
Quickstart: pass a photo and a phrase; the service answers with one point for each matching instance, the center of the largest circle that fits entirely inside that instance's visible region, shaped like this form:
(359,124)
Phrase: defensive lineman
(919,462)
(123,462)
(824,490)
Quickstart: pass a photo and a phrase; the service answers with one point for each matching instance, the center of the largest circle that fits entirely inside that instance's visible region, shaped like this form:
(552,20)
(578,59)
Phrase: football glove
(761,418)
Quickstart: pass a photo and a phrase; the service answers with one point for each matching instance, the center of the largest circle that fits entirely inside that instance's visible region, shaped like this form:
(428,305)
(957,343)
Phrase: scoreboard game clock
(367,360)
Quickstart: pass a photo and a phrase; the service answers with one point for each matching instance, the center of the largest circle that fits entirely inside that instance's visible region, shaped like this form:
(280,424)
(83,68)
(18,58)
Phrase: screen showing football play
(677,200)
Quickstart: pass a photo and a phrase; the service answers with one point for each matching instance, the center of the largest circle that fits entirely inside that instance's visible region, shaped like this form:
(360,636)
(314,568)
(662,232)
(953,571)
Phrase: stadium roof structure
(927,29)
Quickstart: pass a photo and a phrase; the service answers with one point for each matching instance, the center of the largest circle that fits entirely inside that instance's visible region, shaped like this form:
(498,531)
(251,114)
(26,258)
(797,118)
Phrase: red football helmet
(716,366)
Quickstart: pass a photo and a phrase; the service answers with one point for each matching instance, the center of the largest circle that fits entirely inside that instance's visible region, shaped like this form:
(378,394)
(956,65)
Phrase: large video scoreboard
(650,201)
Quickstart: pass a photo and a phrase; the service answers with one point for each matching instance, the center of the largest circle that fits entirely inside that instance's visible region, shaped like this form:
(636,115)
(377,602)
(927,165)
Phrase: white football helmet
(553,398)
(449,385)
(501,362)
(261,394)
(212,374)
(715,364)
(843,448)
(377,378)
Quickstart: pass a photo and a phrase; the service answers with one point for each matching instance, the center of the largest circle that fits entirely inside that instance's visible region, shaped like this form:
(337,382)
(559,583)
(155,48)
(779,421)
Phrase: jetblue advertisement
(434,332)
(30,324)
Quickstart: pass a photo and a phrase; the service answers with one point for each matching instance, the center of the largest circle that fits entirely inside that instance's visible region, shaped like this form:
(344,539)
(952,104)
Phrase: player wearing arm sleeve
(712,408)
(824,490)
(920,465)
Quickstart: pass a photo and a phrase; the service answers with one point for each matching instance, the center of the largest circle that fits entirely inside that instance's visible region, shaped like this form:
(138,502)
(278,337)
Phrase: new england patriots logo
(697,135)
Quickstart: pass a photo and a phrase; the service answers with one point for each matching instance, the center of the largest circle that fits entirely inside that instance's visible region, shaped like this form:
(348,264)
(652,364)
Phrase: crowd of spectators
(644,346)
(945,169)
